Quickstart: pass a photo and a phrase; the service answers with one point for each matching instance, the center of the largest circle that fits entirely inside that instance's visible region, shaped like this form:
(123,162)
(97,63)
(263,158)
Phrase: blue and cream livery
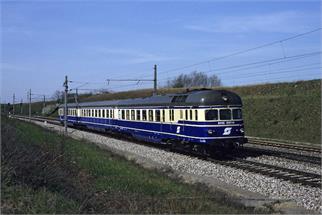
(198,118)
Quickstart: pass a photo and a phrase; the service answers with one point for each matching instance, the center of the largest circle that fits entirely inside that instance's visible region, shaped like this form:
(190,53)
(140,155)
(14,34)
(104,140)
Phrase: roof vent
(179,99)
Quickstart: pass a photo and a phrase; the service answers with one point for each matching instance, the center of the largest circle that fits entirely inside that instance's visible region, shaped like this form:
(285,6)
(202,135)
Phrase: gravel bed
(308,197)
(287,163)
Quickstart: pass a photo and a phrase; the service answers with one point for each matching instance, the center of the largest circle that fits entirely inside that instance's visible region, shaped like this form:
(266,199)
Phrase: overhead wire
(243,51)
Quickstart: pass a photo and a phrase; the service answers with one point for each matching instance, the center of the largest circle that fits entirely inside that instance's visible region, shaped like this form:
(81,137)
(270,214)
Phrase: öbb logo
(227,131)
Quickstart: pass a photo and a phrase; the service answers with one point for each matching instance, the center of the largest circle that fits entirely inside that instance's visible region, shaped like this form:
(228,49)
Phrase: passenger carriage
(200,118)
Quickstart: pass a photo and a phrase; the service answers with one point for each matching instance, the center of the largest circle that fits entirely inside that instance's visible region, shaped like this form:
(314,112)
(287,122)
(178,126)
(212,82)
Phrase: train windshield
(237,114)
(225,114)
(211,114)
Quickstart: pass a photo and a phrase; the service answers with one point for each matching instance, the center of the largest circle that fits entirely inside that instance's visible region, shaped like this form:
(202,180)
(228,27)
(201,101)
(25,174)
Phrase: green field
(36,177)
(290,111)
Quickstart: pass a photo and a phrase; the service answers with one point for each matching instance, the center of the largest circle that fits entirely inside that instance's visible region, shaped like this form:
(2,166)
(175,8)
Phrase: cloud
(130,56)
(278,22)
(17,30)
(7,67)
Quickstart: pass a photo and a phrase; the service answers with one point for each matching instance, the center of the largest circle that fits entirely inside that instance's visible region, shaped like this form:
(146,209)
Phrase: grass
(38,178)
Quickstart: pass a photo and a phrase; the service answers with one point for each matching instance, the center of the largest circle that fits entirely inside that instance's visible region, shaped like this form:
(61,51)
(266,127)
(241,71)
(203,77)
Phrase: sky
(91,41)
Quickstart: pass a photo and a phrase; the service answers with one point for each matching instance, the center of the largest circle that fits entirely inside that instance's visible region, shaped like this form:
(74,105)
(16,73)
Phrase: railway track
(295,176)
(280,144)
(254,151)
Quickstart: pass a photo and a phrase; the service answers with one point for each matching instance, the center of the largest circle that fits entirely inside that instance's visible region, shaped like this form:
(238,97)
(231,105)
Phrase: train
(203,120)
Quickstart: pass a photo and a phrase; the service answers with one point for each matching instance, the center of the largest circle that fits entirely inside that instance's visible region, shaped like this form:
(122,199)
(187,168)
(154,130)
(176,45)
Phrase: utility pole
(13,104)
(21,106)
(76,96)
(65,103)
(44,104)
(29,104)
(155,80)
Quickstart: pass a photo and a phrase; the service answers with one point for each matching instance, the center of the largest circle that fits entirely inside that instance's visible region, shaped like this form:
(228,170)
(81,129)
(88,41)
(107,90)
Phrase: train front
(223,125)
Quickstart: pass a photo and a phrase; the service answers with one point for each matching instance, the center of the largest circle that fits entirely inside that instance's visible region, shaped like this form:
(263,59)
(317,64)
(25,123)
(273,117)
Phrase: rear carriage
(202,119)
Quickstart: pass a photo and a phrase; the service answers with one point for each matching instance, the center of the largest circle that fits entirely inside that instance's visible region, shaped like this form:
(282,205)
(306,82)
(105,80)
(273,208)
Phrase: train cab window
(144,115)
(237,114)
(225,114)
(211,114)
(150,115)
(157,115)
(196,115)
(190,114)
(138,114)
(123,114)
(132,115)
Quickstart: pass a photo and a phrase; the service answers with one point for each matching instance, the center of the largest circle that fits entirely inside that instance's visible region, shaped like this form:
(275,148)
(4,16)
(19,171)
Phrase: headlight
(241,130)
(210,131)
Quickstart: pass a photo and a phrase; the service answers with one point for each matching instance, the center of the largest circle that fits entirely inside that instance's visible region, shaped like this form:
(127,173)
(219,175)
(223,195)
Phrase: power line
(259,63)
(242,51)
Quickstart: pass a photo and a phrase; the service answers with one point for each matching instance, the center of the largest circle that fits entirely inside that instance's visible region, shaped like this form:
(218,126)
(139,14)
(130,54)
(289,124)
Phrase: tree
(194,79)
(58,96)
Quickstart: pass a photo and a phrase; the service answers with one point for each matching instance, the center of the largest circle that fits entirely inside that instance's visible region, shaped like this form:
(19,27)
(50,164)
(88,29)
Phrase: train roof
(205,97)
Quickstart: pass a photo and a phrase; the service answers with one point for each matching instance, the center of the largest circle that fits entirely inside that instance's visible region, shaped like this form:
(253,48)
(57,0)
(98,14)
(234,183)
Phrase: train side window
(225,114)
(150,115)
(104,113)
(157,115)
(107,113)
(171,115)
(196,115)
(237,114)
(190,114)
(163,115)
(123,114)
(132,115)
(138,114)
(99,113)
(187,117)
(144,115)
(211,114)
(127,114)
(112,113)
(181,114)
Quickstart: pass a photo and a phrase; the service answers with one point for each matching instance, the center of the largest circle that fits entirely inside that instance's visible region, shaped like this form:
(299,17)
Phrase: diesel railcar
(204,120)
